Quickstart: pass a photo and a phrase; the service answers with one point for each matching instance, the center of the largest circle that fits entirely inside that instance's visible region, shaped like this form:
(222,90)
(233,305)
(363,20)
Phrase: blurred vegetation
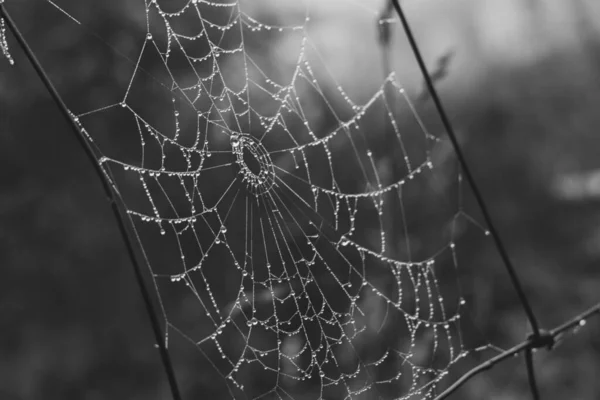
(73,324)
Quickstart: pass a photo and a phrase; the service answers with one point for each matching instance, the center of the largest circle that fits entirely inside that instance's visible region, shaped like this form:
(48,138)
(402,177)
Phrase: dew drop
(235,141)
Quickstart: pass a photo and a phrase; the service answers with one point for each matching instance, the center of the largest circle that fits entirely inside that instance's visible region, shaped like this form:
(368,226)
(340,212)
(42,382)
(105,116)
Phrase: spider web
(298,235)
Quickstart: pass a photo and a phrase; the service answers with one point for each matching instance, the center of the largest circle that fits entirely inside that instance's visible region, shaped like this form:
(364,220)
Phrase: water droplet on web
(162,232)
(149,36)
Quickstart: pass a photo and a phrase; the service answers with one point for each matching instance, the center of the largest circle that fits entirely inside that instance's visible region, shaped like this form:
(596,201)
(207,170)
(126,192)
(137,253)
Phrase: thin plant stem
(111,195)
(529,343)
(467,171)
(531,374)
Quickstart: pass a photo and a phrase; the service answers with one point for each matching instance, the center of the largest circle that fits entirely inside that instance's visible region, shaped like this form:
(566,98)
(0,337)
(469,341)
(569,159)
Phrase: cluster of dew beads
(260,174)
(4,42)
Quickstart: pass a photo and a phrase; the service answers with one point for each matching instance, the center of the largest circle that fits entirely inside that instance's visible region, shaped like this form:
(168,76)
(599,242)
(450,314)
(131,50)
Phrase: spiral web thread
(269,218)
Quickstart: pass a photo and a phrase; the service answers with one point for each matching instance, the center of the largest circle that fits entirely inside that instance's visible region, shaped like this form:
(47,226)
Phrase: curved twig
(110,193)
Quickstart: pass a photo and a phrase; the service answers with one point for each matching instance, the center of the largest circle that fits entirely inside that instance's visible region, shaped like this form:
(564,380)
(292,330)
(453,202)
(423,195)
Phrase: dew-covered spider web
(301,228)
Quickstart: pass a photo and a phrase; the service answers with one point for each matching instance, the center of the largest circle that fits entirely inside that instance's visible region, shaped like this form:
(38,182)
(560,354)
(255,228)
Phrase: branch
(110,193)
(528,344)
(465,167)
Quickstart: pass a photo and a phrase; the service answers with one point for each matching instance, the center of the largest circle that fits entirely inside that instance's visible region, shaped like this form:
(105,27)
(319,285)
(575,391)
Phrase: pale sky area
(481,33)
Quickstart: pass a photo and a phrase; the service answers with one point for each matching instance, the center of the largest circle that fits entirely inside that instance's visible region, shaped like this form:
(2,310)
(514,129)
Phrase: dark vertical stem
(158,334)
(531,374)
(467,172)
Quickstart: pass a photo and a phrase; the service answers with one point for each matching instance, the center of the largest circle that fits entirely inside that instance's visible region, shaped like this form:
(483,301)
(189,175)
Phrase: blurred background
(522,88)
